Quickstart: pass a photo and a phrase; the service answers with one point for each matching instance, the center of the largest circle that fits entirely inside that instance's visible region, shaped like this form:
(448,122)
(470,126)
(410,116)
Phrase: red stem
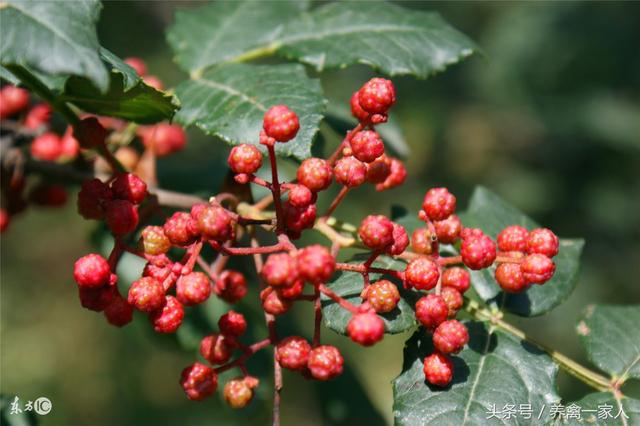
(336,154)
(336,201)
(318,317)
(339,300)
(362,269)
(275,189)
(250,350)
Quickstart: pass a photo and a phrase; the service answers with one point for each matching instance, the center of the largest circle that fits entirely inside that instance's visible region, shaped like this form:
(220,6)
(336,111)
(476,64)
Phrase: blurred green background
(548,116)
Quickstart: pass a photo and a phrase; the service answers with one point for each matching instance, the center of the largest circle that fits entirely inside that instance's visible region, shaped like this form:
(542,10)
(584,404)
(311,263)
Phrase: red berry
(397,175)
(350,172)
(366,328)
(232,324)
(299,218)
(245,158)
(37,116)
(422,274)
(367,145)
(510,277)
(376,232)
(146,294)
(400,240)
(537,268)
(273,302)
(216,349)
(91,271)
(448,230)
(69,146)
(439,203)
(315,264)
(92,198)
(154,241)
(193,288)
(90,133)
(421,241)
(477,251)
(48,195)
(513,238)
(198,381)
(292,292)
(13,100)
(168,318)
(5,218)
(293,353)
(215,223)
(325,362)
(280,269)
(238,392)
(438,369)
(46,147)
(453,298)
(301,196)
(450,337)
(137,64)
(542,241)
(181,229)
(163,138)
(456,277)
(119,313)
(96,299)
(121,216)
(383,296)
(153,81)
(231,286)
(280,123)
(130,187)
(377,95)
(356,109)
(431,311)
(379,170)
(315,174)
(160,273)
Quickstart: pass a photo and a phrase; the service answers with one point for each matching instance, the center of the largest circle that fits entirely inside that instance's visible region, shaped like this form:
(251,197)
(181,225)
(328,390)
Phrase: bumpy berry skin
(160,273)
(96,299)
(12,100)
(382,295)
(542,241)
(231,286)
(298,218)
(367,146)
(379,170)
(356,109)
(293,353)
(137,64)
(168,318)
(146,294)
(315,174)
(396,177)
(46,147)
(180,229)
(325,362)
(90,133)
(280,270)
(130,187)
(238,392)
(400,240)
(510,277)
(316,264)
(119,313)
(198,381)
(513,238)
(121,216)
(215,223)
(245,158)
(232,324)
(450,337)
(537,268)
(431,311)
(38,116)
(193,288)
(91,271)
(92,198)
(350,172)
(366,328)
(439,203)
(448,230)
(456,277)
(377,95)
(292,292)
(438,369)
(422,274)
(376,232)
(154,241)
(478,251)
(273,302)
(215,348)
(421,241)
(280,123)
(301,196)
(453,299)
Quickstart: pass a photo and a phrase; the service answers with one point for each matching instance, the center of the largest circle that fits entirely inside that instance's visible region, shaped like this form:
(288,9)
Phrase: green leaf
(492,214)
(221,31)
(611,337)
(117,65)
(349,285)
(495,369)
(230,102)
(602,402)
(53,38)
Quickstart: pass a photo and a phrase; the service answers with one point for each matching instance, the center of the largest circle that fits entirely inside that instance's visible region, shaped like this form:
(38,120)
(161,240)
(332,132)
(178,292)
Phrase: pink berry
(422,274)
(168,318)
(46,147)
(315,174)
(396,177)
(146,294)
(438,369)
(377,95)
(273,302)
(537,268)
(280,270)
(456,277)
(376,232)
(325,362)
(453,299)
(231,286)
(163,138)
(400,240)
(366,328)
(379,170)
(315,264)
(356,109)
(215,223)
(137,64)
(421,241)
(448,230)
(542,241)
(198,381)
(232,324)
(439,203)
(450,337)
(39,115)
(121,216)
(119,313)
(367,146)
(280,123)
(5,219)
(216,349)
(193,288)
(154,241)
(245,158)
(513,238)
(238,392)
(510,277)
(92,198)
(431,311)
(478,251)
(130,187)
(91,271)
(382,295)
(181,229)
(301,196)
(293,353)
(69,146)
(298,219)
(350,172)
(13,100)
